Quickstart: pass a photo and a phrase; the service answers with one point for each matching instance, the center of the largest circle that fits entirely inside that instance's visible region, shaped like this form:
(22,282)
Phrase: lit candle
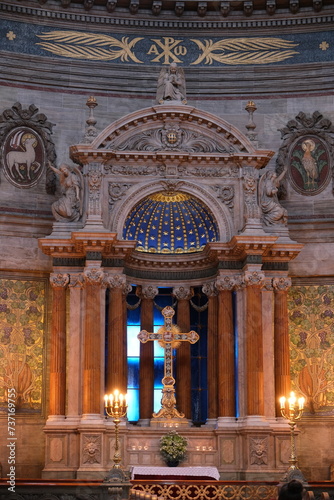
(292,400)
(126,399)
(121,399)
(116,392)
(282,402)
(111,399)
(106,401)
(301,402)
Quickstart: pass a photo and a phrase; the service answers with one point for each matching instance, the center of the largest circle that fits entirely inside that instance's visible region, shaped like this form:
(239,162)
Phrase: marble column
(281,340)
(92,362)
(226,352)
(254,281)
(211,292)
(75,344)
(59,283)
(117,373)
(183,359)
(146,367)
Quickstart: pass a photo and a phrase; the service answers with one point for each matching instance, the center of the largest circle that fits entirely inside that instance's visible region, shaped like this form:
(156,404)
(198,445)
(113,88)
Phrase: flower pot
(172,463)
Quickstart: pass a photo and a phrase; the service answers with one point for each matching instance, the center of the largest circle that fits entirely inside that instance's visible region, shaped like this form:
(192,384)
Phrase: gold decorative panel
(22,324)
(311,325)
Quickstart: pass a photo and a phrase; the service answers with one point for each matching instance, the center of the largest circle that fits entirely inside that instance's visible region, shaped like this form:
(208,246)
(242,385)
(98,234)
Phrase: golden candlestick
(292,410)
(116,407)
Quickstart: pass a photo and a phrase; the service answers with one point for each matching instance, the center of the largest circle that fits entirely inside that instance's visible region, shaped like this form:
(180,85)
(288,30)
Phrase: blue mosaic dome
(170,223)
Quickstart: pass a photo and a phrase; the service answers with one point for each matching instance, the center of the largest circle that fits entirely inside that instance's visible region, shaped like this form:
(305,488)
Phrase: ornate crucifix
(169,337)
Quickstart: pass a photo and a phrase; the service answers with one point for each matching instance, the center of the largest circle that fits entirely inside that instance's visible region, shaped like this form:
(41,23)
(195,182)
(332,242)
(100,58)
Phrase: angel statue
(69,206)
(171,85)
(272,210)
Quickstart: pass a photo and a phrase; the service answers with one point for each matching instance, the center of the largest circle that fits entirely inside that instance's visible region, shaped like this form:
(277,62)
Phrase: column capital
(254,278)
(281,284)
(117,281)
(210,289)
(147,292)
(230,282)
(93,276)
(183,292)
(77,280)
(59,280)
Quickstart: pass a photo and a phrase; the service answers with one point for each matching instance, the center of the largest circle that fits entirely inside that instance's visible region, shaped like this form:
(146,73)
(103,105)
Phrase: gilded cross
(169,337)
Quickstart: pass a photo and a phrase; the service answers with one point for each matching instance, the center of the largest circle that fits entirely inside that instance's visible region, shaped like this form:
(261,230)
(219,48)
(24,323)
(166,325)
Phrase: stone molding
(270,22)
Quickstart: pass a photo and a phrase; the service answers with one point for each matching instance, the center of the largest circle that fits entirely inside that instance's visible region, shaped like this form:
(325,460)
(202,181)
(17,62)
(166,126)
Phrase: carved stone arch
(220,212)
(146,130)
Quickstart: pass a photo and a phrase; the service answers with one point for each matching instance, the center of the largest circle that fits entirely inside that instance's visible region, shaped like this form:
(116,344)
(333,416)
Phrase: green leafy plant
(173,447)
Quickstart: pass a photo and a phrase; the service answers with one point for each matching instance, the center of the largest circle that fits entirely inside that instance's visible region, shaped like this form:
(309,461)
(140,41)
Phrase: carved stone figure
(171,85)
(272,210)
(69,206)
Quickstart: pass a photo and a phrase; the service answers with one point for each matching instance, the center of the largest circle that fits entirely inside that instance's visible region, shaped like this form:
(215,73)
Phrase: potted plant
(173,448)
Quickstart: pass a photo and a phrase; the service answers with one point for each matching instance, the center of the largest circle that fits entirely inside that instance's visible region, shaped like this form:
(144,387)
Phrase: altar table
(180,472)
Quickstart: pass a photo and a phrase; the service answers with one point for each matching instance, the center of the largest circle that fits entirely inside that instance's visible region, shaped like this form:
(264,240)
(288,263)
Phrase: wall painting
(22,324)
(311,326)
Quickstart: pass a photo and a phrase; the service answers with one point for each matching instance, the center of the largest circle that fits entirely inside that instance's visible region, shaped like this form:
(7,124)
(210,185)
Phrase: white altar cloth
(198,472)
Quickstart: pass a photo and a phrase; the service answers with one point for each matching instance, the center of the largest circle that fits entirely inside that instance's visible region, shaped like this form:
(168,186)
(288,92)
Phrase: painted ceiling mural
(154,50)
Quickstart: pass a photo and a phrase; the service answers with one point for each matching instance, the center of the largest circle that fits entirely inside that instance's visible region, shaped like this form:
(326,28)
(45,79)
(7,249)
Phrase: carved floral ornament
(307,149)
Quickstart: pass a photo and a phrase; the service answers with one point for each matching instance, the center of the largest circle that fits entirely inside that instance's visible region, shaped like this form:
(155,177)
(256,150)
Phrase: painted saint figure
(272,210)
(171,85)
(308,162)
(69,206)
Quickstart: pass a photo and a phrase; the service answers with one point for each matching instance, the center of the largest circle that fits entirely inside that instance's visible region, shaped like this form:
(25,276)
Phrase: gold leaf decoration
(89,46)
(245,50)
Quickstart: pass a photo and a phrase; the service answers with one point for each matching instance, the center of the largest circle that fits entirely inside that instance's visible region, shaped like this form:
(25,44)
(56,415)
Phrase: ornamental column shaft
(117,341)
(58,345)
(183,356)
(281,339)
(92,362)
(226,356)
(146,367)
(254,343)
(211,292)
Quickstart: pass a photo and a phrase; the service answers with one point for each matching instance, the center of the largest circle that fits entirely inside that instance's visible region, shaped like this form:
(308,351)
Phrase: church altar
(139,472)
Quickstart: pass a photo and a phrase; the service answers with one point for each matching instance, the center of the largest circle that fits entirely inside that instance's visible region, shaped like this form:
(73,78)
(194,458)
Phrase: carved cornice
(80,244)
(211,21)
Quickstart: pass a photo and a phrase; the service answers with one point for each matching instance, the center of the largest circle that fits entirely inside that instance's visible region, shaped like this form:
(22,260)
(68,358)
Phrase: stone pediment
(171,131)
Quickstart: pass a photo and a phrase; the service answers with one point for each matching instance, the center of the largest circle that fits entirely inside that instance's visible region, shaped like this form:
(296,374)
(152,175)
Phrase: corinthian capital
(225,283)
(93,276)
(148,292)
(281,284)
(210,289)
(76,281)
(183,292)
(117,281)
(254,278)
(59,280)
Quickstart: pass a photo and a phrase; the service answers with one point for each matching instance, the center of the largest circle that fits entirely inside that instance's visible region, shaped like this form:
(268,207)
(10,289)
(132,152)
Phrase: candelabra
(292,412)
(116,408)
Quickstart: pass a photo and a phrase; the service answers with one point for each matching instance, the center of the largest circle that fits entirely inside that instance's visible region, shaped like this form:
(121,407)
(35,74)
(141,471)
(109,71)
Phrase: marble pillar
(226,355)
(211,292)
(254,343)
(146,368)
(183,364)
(281,339)
(92,363)
(117,341)
(59,283)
